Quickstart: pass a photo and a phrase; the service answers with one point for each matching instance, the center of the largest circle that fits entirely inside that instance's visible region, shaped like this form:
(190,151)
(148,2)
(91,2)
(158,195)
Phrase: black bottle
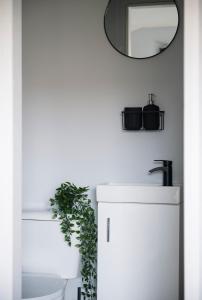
(151,115)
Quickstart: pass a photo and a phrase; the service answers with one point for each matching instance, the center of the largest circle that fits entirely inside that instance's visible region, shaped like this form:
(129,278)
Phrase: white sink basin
(127,193)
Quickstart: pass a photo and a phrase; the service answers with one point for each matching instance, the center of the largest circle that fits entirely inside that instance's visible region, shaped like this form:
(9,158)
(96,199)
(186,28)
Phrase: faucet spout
(163,169)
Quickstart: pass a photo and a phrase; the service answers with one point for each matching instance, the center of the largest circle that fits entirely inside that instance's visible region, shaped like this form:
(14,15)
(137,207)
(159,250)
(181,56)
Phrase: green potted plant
(73,209)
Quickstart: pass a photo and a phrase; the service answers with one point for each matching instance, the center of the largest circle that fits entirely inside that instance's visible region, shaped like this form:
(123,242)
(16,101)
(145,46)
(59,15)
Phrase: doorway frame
(192,148)
(11,152)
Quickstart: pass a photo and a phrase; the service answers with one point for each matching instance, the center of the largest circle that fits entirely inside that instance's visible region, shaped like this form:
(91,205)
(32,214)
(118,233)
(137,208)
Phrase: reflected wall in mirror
(141,29)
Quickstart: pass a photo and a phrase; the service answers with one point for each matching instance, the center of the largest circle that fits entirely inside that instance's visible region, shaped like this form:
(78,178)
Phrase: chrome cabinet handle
(108,230)
(79,294)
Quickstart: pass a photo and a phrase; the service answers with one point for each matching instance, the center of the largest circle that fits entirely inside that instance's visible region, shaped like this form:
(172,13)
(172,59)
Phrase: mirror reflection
(141,29)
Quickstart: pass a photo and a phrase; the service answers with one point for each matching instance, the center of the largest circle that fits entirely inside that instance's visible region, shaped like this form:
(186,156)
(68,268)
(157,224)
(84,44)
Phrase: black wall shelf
(134,115)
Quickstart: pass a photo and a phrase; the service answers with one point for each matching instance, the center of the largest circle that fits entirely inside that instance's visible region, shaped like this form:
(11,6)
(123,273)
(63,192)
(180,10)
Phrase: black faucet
(167,172)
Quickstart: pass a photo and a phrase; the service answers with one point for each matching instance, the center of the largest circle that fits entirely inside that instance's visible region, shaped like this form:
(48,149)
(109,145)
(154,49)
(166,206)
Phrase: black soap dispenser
(151,115)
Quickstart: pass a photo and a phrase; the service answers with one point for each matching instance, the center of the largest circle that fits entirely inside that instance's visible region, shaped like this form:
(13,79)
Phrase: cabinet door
(138,252)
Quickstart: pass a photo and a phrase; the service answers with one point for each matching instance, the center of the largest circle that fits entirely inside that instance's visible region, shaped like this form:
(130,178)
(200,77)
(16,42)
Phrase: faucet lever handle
(165,162)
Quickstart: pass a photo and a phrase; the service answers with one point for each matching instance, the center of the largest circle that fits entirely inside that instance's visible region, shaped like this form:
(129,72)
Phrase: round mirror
(141,29)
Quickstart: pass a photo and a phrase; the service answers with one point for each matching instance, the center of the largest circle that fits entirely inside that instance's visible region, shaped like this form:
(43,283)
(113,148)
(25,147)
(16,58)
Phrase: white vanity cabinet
(138,245)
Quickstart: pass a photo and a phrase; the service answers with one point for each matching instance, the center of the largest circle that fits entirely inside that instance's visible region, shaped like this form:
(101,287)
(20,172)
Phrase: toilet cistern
(167,172)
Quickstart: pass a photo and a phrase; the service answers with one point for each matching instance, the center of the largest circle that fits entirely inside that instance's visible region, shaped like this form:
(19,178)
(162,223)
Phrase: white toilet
(42,287)
(48,262)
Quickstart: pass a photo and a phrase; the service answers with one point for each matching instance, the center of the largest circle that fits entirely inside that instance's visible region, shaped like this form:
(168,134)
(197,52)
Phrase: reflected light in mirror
(150,29)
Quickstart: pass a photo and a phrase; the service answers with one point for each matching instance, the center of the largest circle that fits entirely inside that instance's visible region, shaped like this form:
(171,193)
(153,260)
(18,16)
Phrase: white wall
(10,150)
(200,151)
(74,87)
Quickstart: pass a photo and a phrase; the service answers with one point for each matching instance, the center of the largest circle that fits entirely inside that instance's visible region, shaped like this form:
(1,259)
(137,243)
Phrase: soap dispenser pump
(151,115)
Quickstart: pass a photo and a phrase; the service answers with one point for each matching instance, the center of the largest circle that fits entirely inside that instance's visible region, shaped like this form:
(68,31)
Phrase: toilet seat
(37,286)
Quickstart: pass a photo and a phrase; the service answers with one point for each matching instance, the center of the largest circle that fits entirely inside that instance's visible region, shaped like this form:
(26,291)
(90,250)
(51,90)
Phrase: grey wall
(74,87)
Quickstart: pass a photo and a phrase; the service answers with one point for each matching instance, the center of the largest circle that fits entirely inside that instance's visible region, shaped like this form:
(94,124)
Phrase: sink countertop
(138,193)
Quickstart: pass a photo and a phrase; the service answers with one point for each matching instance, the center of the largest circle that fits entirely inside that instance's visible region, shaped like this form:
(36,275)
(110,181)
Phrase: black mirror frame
(140,58)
